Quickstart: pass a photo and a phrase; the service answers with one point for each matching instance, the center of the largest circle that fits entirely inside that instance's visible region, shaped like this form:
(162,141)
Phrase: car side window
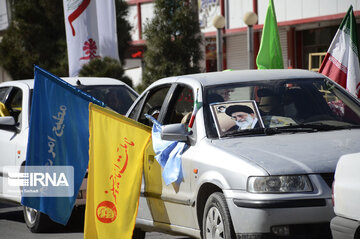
(136,109)
(3,93)
(181,106)
(14,103)
(152,104)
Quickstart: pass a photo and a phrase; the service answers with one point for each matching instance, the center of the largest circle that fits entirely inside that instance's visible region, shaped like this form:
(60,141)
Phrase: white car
(15,105)
(346,197)
(264,178)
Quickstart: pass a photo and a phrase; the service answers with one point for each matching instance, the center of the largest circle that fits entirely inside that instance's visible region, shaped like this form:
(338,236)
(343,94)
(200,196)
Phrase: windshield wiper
(322,126)
(287,129)
(269,131)
(266,131)
(244,132)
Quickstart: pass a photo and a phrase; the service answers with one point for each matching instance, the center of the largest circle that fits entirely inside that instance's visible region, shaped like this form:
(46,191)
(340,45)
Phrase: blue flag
(168,154)
(58,136)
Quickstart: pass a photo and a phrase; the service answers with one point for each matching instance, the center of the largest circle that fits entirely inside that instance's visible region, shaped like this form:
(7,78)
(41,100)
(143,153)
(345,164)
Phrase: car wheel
(216,220)
(37,221)
(138,234)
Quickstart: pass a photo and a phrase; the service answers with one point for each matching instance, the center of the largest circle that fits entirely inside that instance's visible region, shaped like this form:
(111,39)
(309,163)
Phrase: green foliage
(36,36)
(106,67)
(173,41)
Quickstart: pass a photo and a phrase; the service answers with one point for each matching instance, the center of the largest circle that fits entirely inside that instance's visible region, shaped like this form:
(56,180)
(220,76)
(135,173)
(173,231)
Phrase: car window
(181,106)
(3,93)
(117,97)
(286,103)
(137,108)
(14,103)
(341,107)
(152,104)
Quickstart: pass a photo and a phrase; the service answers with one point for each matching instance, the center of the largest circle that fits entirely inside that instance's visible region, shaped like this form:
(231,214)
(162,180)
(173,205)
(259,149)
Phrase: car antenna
(78,82)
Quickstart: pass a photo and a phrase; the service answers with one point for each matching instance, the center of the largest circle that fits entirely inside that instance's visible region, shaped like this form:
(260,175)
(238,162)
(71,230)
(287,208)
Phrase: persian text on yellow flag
(115,170)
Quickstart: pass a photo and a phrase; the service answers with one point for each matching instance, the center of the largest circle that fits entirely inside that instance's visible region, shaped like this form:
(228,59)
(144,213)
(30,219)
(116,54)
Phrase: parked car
(346,196)
(272,179)
(15,101)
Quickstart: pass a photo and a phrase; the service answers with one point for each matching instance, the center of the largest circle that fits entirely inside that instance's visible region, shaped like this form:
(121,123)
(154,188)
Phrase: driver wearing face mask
(243,116)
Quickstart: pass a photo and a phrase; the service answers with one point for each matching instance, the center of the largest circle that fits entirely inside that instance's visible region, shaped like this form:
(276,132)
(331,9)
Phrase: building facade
(306,28)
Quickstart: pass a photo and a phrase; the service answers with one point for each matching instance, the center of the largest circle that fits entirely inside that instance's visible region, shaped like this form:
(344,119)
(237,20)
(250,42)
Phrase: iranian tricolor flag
(341,63)
(197,106)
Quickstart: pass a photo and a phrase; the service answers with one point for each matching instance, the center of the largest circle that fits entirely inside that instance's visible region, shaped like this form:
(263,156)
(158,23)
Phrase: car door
(150,103)
(175,198)
(12,141)
(167,202)
(6,149)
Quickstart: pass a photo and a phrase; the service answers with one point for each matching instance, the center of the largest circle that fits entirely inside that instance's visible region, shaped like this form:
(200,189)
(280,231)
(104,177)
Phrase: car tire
(36,221)
(138,234)
(217,220)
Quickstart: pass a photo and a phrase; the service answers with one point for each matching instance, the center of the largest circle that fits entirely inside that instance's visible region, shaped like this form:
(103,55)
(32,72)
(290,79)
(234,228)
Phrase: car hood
(294,153)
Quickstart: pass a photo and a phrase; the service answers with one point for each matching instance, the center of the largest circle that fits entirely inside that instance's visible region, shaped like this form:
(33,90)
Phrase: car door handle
(151,158)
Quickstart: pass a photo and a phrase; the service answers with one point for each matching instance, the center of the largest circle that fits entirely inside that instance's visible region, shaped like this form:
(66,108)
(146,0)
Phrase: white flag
(90,31)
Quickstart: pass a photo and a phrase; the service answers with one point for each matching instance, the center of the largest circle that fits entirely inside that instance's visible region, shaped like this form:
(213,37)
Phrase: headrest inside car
(265,92)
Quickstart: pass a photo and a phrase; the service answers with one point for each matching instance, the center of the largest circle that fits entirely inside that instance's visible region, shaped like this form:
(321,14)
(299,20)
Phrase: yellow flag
(115,170)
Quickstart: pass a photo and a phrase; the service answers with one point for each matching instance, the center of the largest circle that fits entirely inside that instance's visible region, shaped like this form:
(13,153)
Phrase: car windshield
(277,106)
(117,97)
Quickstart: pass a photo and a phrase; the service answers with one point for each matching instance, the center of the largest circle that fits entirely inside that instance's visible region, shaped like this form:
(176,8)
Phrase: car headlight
(279,184)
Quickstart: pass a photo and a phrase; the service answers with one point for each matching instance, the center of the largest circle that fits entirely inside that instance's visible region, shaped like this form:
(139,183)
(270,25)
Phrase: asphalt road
(12,225)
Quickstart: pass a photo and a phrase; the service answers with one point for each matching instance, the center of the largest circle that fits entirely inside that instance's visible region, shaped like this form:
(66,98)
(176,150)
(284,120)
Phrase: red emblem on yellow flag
(106,212)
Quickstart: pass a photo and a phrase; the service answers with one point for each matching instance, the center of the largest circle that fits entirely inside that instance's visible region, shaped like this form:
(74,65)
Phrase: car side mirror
(7,123)
(175,132)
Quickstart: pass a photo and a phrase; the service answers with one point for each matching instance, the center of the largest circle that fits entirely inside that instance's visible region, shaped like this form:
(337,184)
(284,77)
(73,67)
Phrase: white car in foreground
(346,196)
(15,105)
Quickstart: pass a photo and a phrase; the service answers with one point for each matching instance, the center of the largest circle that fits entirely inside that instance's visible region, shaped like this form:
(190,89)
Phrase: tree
(173,41)
(36,36)
(106,67)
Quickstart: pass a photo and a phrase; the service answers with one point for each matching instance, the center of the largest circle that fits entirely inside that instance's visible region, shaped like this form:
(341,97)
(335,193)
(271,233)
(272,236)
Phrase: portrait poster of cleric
(236,116)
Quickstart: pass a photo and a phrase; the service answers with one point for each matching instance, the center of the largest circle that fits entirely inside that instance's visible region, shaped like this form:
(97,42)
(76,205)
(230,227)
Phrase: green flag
(270,55)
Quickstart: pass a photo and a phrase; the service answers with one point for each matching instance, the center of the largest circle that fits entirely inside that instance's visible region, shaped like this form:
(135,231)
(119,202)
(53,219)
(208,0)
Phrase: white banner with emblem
(90,31)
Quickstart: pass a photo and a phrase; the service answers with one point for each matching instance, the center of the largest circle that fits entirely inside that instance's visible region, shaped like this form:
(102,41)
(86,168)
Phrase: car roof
(71,80)
(93,81)
(228,77)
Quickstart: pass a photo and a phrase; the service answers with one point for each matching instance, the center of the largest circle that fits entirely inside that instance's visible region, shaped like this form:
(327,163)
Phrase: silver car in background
(272,180)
